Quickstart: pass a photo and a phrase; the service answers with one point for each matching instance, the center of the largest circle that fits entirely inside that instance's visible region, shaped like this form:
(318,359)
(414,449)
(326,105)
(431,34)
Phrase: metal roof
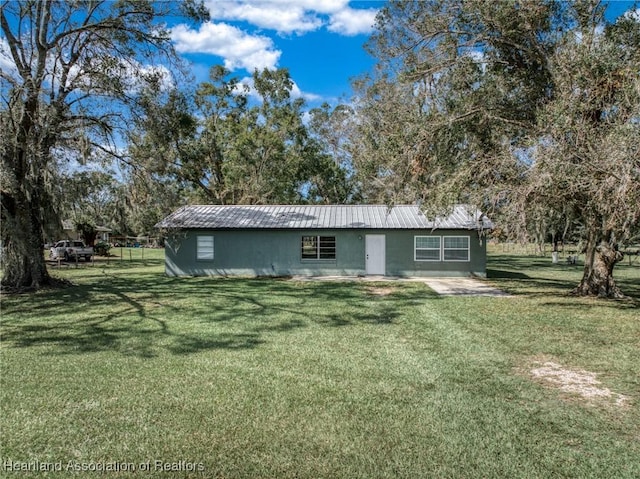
(321,217)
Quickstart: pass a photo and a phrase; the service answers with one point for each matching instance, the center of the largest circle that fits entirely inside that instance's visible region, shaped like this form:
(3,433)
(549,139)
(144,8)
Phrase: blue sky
(319,41)
(615,8)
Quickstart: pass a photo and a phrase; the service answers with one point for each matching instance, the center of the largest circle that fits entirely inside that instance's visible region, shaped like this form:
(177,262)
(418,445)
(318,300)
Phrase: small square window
(204,248)
(318,247)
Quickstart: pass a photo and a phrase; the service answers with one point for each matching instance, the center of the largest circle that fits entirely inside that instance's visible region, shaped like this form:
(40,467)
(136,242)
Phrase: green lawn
(279,379)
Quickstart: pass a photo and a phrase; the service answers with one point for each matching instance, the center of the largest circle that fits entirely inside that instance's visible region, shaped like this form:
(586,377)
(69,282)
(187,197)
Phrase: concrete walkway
(442,286)
(463,287)
(366,279)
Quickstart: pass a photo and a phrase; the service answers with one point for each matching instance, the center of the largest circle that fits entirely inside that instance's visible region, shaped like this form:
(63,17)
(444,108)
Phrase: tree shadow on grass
(539,277)
(148,315)
(237,341)
(521,283)
(585,303)
(386,313)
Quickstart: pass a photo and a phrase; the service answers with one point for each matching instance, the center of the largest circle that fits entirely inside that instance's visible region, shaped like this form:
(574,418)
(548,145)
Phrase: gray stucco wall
(278,253)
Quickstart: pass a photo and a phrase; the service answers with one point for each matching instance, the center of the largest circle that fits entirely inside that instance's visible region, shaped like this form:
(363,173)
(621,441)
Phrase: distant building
(70,231)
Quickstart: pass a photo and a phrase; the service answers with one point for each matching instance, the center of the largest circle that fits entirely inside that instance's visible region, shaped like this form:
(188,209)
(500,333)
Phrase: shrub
(102,248)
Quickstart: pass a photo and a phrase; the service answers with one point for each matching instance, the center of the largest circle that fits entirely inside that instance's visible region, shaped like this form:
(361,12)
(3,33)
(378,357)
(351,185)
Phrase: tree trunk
(23,257)
(597,279)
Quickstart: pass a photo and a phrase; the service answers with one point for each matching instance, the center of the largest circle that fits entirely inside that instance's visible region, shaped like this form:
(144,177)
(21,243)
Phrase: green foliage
(455,82)
(102,248)
(196,10)
(232,149)
(334,181)
(87,197)
(77,69)
(87,230)
(529,110)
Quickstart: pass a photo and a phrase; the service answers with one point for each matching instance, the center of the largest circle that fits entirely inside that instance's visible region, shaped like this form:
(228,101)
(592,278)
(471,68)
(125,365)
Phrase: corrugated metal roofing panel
(321,216)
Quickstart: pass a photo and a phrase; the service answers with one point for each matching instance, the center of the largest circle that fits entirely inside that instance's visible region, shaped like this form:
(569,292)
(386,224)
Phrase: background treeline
(528,110)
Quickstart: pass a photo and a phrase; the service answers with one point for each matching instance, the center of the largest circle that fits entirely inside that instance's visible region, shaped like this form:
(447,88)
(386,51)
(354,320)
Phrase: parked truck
(71,249)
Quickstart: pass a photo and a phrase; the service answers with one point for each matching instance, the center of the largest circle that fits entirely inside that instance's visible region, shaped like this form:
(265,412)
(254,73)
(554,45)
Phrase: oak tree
(237,142)
(530,110)
(70,77)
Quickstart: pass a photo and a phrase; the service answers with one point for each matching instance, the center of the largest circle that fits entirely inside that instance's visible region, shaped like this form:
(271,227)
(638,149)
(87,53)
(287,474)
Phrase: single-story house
(212,240)
(70,231)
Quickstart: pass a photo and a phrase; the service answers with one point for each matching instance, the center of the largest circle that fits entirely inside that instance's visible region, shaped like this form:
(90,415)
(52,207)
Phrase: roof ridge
(312,217)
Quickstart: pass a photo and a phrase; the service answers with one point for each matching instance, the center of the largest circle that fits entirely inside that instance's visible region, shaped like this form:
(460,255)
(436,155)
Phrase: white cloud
(161,72)
(129,71)
(295,16)
(350,21)
(247,85)
(297,93)
(241,47)
(633,14)
(598,32)
(321,6)
(479,58)
(238,49)
(7,67)
(283,17)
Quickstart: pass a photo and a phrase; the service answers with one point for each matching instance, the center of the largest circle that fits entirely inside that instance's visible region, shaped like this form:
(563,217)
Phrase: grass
(272,378)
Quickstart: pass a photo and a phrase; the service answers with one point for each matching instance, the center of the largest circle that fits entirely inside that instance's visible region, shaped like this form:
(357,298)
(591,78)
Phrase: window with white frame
(455,248)
(427,248)
(318,247)
(204,248)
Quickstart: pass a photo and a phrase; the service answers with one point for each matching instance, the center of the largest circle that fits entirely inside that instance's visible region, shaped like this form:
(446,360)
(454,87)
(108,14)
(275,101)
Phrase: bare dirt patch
(463,287)
(380,290)
(575,381)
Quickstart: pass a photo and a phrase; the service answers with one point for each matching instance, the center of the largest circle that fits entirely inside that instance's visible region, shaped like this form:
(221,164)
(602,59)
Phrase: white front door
(375,254)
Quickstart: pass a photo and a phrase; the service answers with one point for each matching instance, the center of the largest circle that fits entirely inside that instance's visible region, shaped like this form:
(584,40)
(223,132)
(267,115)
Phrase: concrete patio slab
(442,286)
(366,279)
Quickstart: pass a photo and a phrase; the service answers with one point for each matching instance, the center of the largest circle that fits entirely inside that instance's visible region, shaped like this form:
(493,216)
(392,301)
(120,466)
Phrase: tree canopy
(529,110)
(238,144)
(78,68)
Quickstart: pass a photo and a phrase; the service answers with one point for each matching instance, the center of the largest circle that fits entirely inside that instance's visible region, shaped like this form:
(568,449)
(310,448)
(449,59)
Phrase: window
(455,248)
(427,248)
(318,247)
(204,248)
